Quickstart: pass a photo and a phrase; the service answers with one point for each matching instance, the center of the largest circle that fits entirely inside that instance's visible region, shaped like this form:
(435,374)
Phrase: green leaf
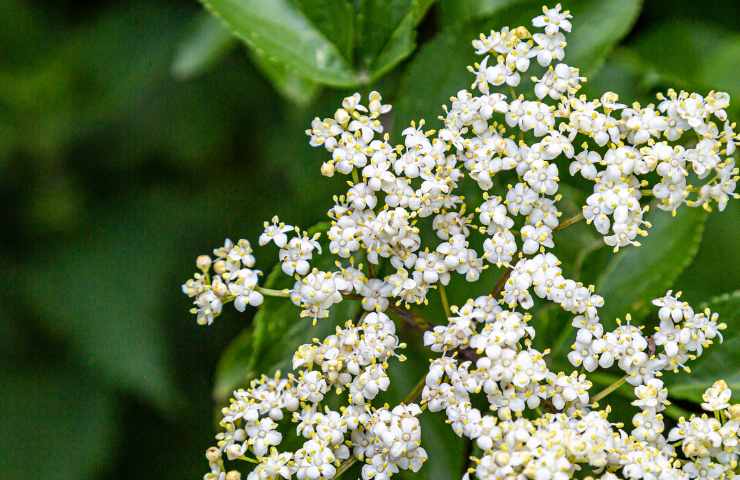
(439,69)
(692,54)
(701,281)
(276,332)
(461,11)
(204,46)
(636,275)
(56,424)
(388,32)
(280,31)
(335,19)
(294,88)
(718,362)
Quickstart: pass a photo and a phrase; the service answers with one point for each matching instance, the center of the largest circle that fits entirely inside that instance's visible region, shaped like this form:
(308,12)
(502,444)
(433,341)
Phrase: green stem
(443,299)
(414,394)
(608,389)
(568,222)
(501,282)
(271,292)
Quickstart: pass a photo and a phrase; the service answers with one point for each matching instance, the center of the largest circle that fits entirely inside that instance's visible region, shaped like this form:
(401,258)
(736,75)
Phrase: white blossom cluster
(681,336)
(232,279)
(349,365)
(403,229)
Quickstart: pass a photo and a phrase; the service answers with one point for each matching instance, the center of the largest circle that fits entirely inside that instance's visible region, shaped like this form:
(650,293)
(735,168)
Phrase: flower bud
(233,475)
(219,267)
(213,455)
(327,169)
(341,116)
(735,412)
(203,262)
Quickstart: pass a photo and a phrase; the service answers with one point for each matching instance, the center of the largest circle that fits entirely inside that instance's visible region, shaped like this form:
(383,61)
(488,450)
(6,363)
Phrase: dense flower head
(404,229)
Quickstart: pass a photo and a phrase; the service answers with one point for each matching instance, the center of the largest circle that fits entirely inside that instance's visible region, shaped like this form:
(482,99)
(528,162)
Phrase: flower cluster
(404,229)
(229,278)
(350,365)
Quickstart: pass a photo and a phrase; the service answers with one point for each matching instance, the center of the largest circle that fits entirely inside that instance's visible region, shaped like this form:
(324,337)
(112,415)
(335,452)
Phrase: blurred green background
(136,135)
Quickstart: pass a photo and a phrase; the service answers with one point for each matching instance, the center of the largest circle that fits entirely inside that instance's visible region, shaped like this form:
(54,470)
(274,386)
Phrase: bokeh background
(132,139)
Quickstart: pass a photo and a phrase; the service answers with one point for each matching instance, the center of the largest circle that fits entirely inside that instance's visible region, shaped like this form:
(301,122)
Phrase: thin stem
(568,222)
(345,466)
(413,319)
(370,270)
(609,389)
(355,176)
(443,299)
(414,394)
(271,292)
(501,282)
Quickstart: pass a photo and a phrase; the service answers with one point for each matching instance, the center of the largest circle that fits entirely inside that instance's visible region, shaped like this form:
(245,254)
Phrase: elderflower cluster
(353,361)
(230,278)
(404,230)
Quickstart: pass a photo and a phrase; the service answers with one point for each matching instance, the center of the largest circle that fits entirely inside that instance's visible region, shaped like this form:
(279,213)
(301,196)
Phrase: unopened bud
(233,475)
(327,169)
(219,267)
(341,116)
(735,412)
(203,262)
(219,288)
(213,455)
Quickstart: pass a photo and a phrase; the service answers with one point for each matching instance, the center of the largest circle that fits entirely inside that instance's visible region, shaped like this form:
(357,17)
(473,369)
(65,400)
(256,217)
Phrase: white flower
(242,285)
(549,47)
(500,248)
(275,232)
(276,465)
(313,461)
(317,292)
(585,164)
(553,20)
(716,397)
(263,435)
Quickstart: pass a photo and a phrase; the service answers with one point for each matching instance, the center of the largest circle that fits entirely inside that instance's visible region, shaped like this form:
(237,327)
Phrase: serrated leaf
(387,32)
(719,361)
(439,69)
(636,275)
(280,31)
(205,45)
(276,332)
